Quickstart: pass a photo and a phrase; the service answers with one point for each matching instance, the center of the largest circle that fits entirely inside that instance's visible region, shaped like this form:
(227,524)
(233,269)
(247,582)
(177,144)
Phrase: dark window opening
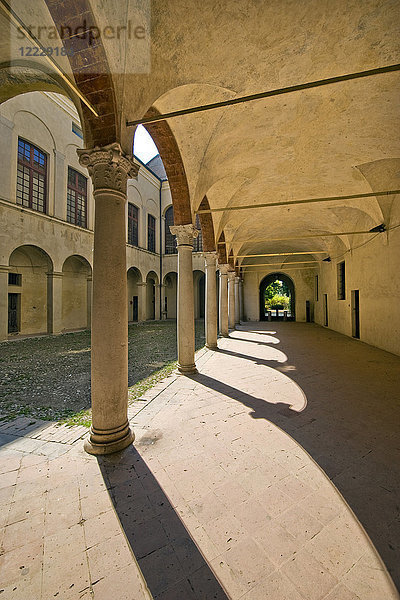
(151,233)
(170,240)
(133,225)
(31,176)
(14,279)
(341,281)
(198,242)
(76,198)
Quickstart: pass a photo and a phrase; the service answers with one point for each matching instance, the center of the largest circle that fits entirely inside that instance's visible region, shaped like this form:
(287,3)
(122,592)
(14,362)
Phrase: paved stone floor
(272,474)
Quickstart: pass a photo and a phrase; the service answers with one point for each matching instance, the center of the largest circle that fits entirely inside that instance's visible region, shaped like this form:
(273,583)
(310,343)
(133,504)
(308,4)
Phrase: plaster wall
(373,270)
(303,283)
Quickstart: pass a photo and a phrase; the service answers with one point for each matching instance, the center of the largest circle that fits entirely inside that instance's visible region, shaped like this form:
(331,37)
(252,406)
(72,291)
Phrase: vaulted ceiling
(336,140)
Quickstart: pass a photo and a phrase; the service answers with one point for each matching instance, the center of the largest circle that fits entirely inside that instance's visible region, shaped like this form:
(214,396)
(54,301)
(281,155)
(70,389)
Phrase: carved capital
(108,167)
(210,258)
(184,234)
(223,269)
(231,276)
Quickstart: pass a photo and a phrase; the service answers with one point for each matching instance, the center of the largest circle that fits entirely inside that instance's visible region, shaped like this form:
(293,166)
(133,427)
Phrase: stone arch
(266,281)
(76,293)
(94,81)
(170,154)
(32,294)
(207,227)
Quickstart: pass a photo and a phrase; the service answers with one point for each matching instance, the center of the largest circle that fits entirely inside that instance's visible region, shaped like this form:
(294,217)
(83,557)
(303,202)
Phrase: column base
(212,346)
(94,445)
(187,369)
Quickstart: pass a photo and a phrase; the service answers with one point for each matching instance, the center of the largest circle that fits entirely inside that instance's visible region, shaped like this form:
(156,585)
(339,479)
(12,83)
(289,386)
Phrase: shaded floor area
(265,476)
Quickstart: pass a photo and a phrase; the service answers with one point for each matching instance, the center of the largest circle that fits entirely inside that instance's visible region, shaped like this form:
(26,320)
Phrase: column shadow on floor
(169,559)
(349,426)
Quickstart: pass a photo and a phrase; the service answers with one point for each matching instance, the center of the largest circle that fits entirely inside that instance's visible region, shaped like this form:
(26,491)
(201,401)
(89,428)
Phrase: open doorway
(277,298)
(355,313)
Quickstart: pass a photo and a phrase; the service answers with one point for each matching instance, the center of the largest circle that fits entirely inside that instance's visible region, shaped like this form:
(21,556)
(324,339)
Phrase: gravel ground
(49,377)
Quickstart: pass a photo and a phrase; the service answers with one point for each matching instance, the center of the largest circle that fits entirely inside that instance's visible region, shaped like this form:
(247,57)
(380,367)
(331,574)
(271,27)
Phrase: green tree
(277,295)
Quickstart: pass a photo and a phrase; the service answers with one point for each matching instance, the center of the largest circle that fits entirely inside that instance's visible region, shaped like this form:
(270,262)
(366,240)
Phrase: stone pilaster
(54,302)
(109,170)
(4,302)
(185,302)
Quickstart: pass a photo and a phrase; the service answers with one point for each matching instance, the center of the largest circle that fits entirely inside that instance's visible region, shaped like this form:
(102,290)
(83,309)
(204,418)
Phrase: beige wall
(373,269)
(303,283)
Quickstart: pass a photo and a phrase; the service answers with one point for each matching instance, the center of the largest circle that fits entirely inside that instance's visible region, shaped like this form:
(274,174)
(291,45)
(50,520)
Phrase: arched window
(198,242)
(170,240)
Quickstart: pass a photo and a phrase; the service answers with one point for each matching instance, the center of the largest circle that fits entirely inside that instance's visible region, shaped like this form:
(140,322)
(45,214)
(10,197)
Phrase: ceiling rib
(268,94)
(304,201)
(297,237)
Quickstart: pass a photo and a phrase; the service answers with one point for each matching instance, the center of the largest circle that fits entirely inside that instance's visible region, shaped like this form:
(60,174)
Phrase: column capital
(184,234)
(231,275)
(237,279)
(223,269)
(54,274)
(141,283)
(210,258)
(108,167)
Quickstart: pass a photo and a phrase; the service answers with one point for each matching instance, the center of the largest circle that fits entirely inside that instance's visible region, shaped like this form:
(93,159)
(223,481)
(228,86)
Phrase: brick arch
(207,227)
(221,250)
(170,154)
(95,83)
(231,260)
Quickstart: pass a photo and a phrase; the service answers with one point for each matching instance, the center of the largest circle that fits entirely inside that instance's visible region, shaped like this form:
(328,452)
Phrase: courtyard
(49,377)
(271,474)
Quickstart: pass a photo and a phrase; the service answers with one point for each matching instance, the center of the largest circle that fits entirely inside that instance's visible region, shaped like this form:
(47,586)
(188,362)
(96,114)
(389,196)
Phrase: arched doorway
(277,294)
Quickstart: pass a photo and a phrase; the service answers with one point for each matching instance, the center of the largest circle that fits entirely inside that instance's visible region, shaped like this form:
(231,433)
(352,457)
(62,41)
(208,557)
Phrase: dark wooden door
(13,306)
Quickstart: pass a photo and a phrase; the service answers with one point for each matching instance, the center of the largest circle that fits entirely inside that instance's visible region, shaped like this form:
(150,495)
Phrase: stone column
(223,300)
(231,299)
(162,294)
(4,302)
(237,300)
(109,170)
(211,300)
(142,301)
(185,301)
(54,302)
(241,307)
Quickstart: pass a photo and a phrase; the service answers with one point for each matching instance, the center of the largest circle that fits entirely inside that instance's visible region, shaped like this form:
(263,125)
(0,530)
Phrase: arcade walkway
(265,476)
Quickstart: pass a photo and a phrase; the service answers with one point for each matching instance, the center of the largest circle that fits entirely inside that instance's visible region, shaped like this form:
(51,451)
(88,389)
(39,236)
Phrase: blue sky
(143,146)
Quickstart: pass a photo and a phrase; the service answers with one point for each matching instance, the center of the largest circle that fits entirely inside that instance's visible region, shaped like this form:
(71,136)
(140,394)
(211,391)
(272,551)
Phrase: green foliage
(277,295)
(279,301)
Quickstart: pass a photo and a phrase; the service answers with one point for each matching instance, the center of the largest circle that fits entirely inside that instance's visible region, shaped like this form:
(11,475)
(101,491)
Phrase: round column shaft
(223,300)
(231,299)
(109,170)
(237,300)
(211,300)
(185,305)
